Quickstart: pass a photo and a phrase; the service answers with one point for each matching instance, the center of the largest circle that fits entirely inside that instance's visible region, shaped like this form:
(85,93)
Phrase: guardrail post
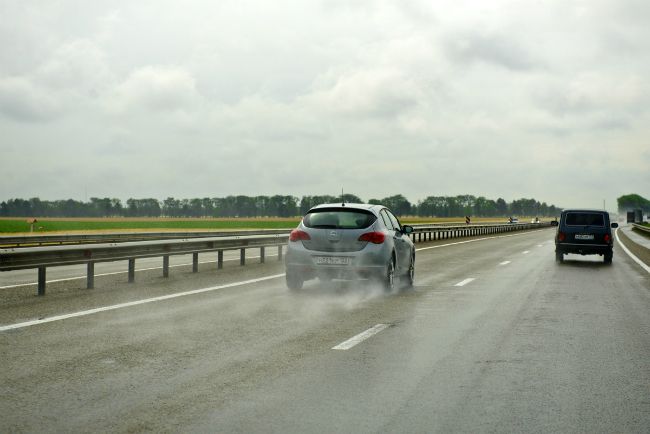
(195,262)
(262,251)
(219,259)
(280,252)
(132,270)
(166,266)
(41,280)
(90,275)
(242,257)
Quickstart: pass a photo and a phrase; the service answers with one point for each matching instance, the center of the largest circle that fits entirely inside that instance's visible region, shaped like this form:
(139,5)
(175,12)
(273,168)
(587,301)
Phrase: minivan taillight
(298,235)
(561,236)
(373,237)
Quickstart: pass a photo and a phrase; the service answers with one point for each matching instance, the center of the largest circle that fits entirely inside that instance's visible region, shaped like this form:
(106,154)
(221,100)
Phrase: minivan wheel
(294,280)
(559,257)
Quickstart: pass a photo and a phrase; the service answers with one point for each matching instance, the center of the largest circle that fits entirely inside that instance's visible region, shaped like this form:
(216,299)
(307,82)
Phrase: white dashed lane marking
(355,340)
(504,263)
(466,281)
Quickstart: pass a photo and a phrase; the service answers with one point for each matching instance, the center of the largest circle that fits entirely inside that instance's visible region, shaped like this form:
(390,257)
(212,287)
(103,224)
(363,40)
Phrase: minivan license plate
(332,260)
(584,236)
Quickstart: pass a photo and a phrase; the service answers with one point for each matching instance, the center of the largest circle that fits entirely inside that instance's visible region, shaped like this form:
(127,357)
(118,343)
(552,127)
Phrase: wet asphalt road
(526,346)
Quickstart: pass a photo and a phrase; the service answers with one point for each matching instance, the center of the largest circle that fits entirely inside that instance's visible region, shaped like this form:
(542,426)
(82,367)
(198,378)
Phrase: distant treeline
(269,206)
(629,202)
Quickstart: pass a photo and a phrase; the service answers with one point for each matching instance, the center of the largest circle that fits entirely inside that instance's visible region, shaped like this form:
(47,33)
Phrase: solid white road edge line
(355,340)
(466,281)
(630,254)
(134,303)
(112,273)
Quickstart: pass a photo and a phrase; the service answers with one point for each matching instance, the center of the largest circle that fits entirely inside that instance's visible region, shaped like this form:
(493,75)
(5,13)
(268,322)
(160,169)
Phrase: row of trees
(630,202)
(272,206)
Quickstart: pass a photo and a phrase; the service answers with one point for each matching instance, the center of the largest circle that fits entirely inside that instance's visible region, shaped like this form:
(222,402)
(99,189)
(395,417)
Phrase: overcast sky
(544,99)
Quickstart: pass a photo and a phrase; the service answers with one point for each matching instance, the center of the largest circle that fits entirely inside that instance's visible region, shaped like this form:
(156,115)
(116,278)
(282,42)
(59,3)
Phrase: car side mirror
(554,223)
(407,229)
(614,225)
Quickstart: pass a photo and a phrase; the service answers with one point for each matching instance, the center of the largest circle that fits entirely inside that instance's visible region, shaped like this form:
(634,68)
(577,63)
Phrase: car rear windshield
(585,219)
(327,218)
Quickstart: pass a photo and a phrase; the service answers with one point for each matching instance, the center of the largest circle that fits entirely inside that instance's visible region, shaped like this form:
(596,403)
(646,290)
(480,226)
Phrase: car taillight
(373,237)
(298,235)
(561,236)
(607,238)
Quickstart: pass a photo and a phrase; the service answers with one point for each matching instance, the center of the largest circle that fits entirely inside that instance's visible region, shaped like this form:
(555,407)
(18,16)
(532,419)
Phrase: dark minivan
(584,232)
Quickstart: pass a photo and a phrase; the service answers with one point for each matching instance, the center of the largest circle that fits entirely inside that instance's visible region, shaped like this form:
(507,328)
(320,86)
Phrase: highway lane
(527,345)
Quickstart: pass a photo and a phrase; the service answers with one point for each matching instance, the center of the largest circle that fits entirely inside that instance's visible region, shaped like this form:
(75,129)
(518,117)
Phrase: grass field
(72,225)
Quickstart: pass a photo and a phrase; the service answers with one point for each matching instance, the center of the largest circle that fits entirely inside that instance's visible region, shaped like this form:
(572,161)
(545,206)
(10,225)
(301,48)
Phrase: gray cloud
(207,98)
(499,50)
(22,101)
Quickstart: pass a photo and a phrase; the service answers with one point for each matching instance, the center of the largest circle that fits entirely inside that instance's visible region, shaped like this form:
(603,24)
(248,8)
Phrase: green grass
(14,226)
(125,224)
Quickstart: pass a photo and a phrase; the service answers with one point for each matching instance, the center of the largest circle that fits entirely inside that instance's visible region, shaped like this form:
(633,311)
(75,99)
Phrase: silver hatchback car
(350,241)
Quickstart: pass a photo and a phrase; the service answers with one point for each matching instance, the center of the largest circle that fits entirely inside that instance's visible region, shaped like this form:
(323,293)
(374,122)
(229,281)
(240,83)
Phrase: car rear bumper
(583,249)
(336,271)
(371,261)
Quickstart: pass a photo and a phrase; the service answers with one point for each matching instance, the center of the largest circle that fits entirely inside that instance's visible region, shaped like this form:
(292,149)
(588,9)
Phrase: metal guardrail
(121,237)
(89,254)
(432,233)
(641,228)
(22,241)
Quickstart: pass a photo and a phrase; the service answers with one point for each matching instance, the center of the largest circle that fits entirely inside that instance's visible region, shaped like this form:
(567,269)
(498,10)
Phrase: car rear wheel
(608,258)
(559,257)
(388,280)
(294,281)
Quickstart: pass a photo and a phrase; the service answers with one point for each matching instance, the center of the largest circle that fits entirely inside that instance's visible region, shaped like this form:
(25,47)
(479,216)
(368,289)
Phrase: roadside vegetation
(72,225)
(128,224)
(270,206)
(631,202)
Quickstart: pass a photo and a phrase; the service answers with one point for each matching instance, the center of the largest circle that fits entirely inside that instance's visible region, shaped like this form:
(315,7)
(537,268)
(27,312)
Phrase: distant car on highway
(350,241)
(513,220)
(584,232)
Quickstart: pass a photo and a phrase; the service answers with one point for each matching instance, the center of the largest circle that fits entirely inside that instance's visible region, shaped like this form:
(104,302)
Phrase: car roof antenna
(342,198)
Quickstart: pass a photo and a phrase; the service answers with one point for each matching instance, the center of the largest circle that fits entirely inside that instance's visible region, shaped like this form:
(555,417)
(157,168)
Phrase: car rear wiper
(324,227)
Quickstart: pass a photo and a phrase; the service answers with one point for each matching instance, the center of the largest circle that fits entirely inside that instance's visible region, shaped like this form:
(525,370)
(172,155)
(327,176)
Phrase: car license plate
(333,260)
(584,236)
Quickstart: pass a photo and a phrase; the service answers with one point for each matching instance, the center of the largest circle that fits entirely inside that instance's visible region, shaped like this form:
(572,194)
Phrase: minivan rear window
(585,219)
(328,218)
